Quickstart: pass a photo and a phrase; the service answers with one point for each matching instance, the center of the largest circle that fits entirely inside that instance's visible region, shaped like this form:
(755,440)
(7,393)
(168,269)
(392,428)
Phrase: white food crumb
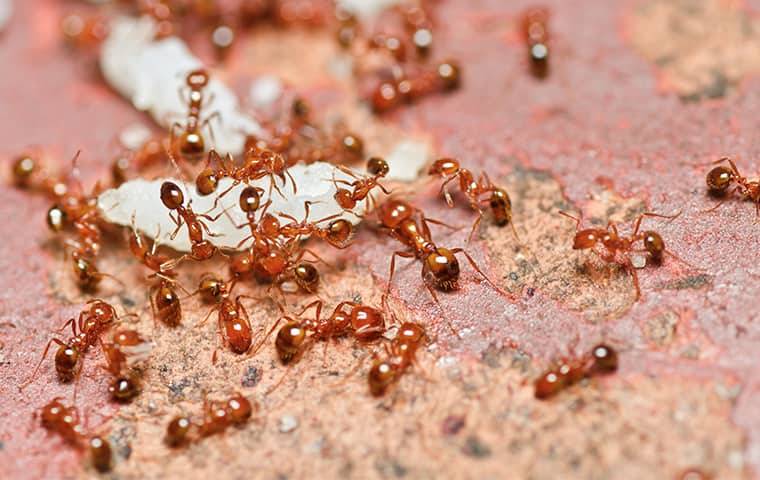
(142,198)
(638,261)
(151,74)
(366,8)
(134,136)
(407,159)
(265,91)
(6,8)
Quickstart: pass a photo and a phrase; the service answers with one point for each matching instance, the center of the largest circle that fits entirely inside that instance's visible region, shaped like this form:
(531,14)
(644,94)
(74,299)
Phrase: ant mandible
(721,178)
(98,317)
(498,200)
(602,360)
(58,418)
(614,245)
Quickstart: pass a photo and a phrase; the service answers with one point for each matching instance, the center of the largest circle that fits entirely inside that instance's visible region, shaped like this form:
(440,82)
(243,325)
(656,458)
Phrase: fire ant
(156,262)
(257,164)
(200,249)
(165,302)
(498,201)
(602,360)
(217,417)
(337,233)
(63,420)
(401,86)
(98,317)
(190,143)
(616,246)
(126,349)
(720,179)
(365,323)
(440,268)
(536,33)
(361,188)
(233,322)
(400,355)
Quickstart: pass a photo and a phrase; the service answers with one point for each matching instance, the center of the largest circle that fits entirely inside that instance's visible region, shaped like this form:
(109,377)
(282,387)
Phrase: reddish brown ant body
(361,188)
(217,417)
(257,164)
(602,360)
(618,249)
(440,268)
(125,350)
(498,199)
(535,30)
(200,249)
(190,143)
(64,421)
(406,85)
(720,179)
(233,322)
(156,262)
(366,324)
(400,356)
(165,302)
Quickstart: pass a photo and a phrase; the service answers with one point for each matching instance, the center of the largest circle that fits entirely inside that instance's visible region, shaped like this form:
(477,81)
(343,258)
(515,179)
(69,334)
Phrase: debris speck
(288,423)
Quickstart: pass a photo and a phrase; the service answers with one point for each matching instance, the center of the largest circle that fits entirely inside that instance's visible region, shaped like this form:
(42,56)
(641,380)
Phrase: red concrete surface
(599,122)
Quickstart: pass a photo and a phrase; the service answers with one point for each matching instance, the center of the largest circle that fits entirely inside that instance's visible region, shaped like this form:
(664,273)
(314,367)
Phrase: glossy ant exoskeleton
(92,323)
(190,143)
(721,178)
(400,356)
(64,421)
(126,349)
(498,199)
(217,417)
(402,85)
(232,320)
(535,28)
(602,360)
(361,188)
(614,246)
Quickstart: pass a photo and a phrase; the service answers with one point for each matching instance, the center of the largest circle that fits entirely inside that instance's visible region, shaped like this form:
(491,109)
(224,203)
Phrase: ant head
(239,409)
(289,340)
(344,199)
(23,168)
(171,196)
(442,268)
(604,358)
(270,225)
(654,245)
(177,432)
(339,231)
(444,166)
(585,239)
(353,144)
(395,211)
(411,332)
(56,218)
(307,277)
(377,166)
(192,144)
(448,73)
(211,288)
(101,311)
(381,375)
(206,182)
(250,199)
(123,389)
(86,273)
(719,179)
(197,79)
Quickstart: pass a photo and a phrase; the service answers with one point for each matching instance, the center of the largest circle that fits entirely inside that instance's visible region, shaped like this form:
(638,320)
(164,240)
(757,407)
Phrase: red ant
(498,200)
(217,417)
(190,142)
(200,249)
(165,302)
(361,188)
(401,355)
(615,245)
(440,268)
(98,317)
(602,360)
(720,179)
(156,262)
(233,322)
(257,164)
(365,323)
(63,420)
(126,349)
(536,33)
(153,151)
(409,87)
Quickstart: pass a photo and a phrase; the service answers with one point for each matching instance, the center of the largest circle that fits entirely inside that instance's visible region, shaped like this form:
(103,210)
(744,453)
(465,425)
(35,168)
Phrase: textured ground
(621,126)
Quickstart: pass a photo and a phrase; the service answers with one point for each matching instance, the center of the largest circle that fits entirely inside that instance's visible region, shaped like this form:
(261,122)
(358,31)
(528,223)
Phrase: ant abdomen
(719,179)
(290,338)
(178,432)
(381,375)
(100,454)
(441,268)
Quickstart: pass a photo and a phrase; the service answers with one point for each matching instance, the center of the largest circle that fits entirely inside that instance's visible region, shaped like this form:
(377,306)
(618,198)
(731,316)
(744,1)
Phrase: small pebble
(288,423)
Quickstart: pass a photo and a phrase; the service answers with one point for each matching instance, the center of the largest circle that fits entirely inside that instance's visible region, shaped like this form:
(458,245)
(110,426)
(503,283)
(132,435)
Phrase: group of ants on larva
(278,241)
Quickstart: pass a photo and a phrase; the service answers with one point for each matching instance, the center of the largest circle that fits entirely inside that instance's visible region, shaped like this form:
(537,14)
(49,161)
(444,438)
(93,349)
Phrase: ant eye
(719,179)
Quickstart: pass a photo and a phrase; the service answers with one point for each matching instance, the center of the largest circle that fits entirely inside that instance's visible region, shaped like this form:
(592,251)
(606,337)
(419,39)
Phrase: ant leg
(426,228)
(393,267)
(637,224)
(440,307)
(219,197)
(445,192)
(173,263)
(207,123)
(208,315)
(44,354)
(316,257)
(475,226)
(576,219)
(72,322)
(292,181)
(100,275)
(635,280)
(348,172)
(476,267)
(318,304)
(178,222)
